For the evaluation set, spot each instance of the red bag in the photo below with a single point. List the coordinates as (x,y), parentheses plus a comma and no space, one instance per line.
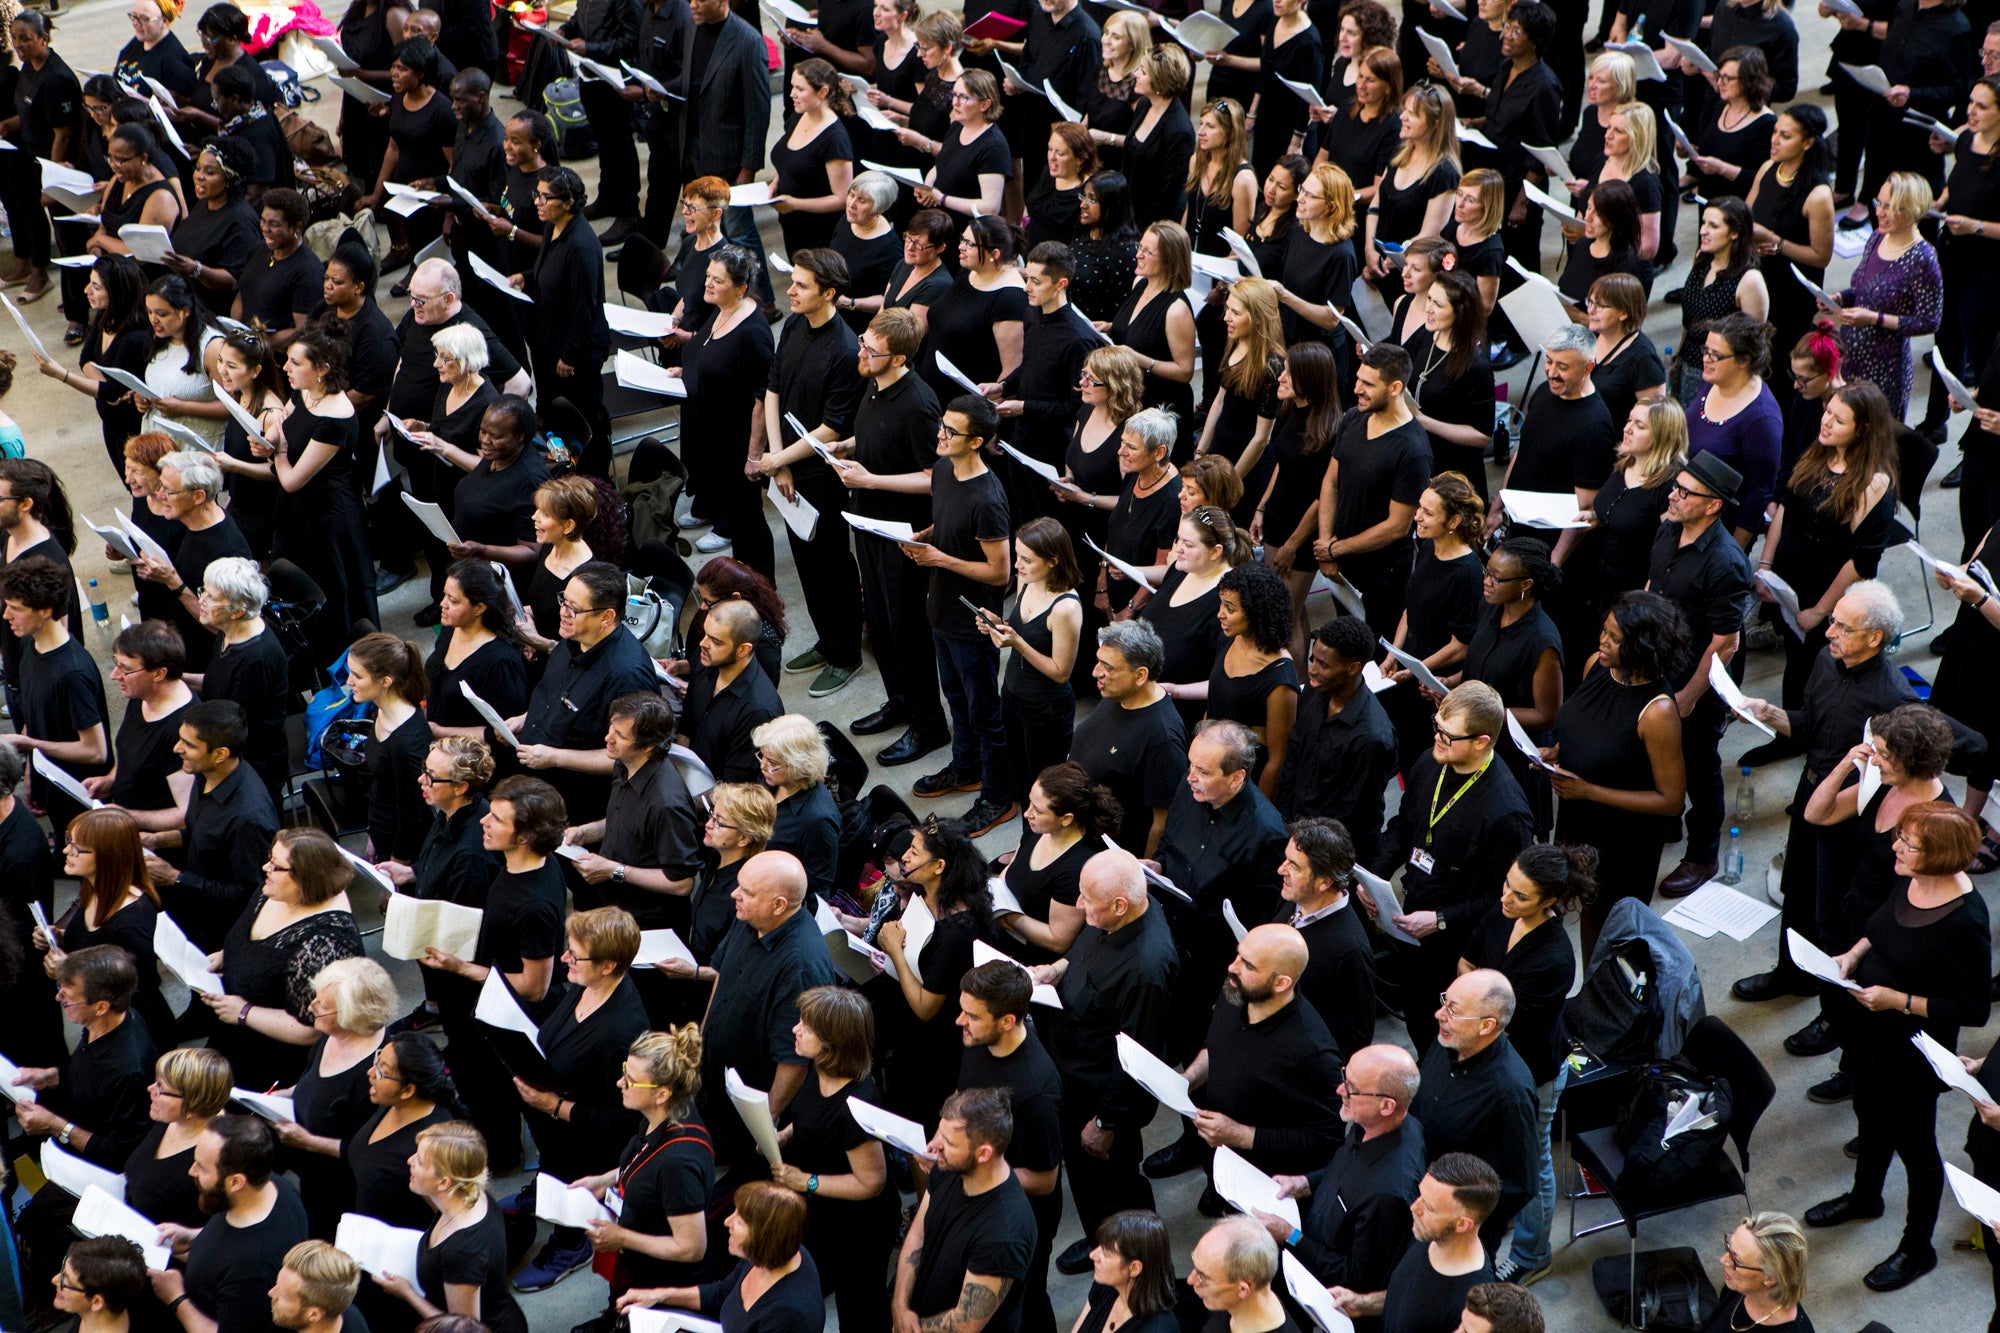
(519,40)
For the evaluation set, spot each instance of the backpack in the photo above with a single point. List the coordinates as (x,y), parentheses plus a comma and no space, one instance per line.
(326,711)
(290,91)
(1674,1293)
(1616,1014)
(563,101)
(653,620)
(1666,1090)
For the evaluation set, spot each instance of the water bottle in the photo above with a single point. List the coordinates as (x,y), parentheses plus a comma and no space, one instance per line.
(1732,859)
(99,612)
(1746,797)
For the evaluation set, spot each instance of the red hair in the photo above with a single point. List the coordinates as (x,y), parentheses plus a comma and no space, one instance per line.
(1821,346)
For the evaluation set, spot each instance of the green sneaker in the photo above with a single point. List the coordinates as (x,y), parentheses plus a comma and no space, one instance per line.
(810,660)
(831,680)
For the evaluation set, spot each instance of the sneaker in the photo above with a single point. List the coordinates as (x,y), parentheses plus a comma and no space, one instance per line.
(985,816)
(1832,1091)
(712,542)
(831,681)
(944,782)
(810,660)
(429,616)
(684,513)
(1519,1274)
(552,1266)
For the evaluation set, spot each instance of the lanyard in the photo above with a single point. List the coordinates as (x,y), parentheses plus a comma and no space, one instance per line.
(1430,831)
(625,1175)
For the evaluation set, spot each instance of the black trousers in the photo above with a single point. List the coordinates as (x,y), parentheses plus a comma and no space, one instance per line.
(1037,1315)
(827,573)
(1800,879)
(1701,747)
(1100,1186)
(742,518)
(610,116)
(664,175)
(1852,106)
(1382,578)
(892,604)
(1038,737)
(1978,492)
(1897,1117)
(21,192)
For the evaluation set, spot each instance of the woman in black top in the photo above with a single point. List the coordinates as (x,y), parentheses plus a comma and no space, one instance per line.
(741,816)
(422,134)
(408,1090)
(1243,395)
(726,365)
(1146,510)
(1055,204)
(1318,267)
(839,1171)
(1290,48)
(116,904)
(1921,965)
(1184,611)
(1044,631)
(138,191)
(1633,499)
(353,1003)
(1366,131)
(1618,745)
(978,321)
(493,495)
(1111,102)
(286,935)
(1454,378)
(1414,194)
(248,664)
(1254,680)
(1524,940)
(867,240)
(1517,648)
(370,32)
(1105,248)
(481,648)
(931,947)
(1286,518)
(814,158)
(1764,24)
(1626,365)
(191,1084)
(1723,279)
(568,339)
(1733,138)
(213,242)
(1968,245)
(1221,196)
(973,160)
(1609,244)
(388,672)
(155,51)
(1132,1286)
(1791,211)
(47,106)
(919,277)
(1157,322)
(251,373)
(1474,231)
(462,1259)
(1067,816)
(1763,1272)
(793,760)
(1277,213)
(1160,143)
(118,335)
(777,1286)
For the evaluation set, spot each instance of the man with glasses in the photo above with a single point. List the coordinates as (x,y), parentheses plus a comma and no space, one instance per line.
(1134,741)
(648,843)
(227,823)
(1042,389)
(1698,566)
(893,452)
(146,667)
(59,709)
(1368,501)
(1477,1095)
(598,660)
(1567,435)
(1358,1224)
(101,1279)
(190,494)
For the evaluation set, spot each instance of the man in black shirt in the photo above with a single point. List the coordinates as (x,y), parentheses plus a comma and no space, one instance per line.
(1358,1225)
(965,550)
(479,164)
(191,494)
(893,451)
(226,826)
(1314,880)
(255,1218)
(1042,389)
(1231,1270)
(1002,1051)
(1698,565)
(1061,46)
(1567,435)
(62,711)
(95,1107)
(598,660)
(1477,1094)
(967,1249)
(815,386)
(1118,977)
(648,843)
(729,696)
(1224,843)
(1426,1292)
(1381,465)
(1134,740)
(146,663)
(1343,747)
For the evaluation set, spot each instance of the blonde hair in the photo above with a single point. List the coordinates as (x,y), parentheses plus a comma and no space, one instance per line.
(456,1150)
(794,744)
(1624,75)
(1168,71)
(607,934)
(1235,149)
(1339,192)
(1910,195)
(1438,141)
(201,1075)
(1644,132)
(328,1278)
(673,1060)
(749,806)
(1667,428)
(364,995)
(470,757)
(1138,36)
(1263,340)
(1492,187)
(1784,1247)
(1117,368)
(1176,259)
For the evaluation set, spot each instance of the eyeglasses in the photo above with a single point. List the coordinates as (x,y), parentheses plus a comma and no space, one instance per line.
(1451,1011)
(419,302)
(872,354)
(576,957)
(430,779)
(718,821)
(162,490)
(1089,381)
(272,864)
(1690,493)
(947,433)
(626,1080)
(1346,1091)
(1714,357)
(1835,625)
(62,1279)
(1729,1259)
(576,610)
(1437,729)
(1488,576)
(376,1069)
(163,1090)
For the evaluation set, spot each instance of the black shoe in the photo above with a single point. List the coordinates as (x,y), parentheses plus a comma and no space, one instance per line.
(1933,431)
(388,580)
(1832,1092)
(1846,223)
(1776,984)
(618,232)
(1211,1204)
(1770,752)
(1941,642)
(1815,1038)
(1185,1154)
(1075,1261)
(1852,1148)
(1899,1270)
(603,1323)
(1954,477)
(885,718)
(598,210)
(400,289)
(985,816)
(944,782)
(1674,297)
(1842,1209)
(913,745)
(423,1018)
(429,616)
(1506,356)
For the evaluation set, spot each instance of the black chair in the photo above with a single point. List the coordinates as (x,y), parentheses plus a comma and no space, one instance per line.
(1916,457)
(1714,1049)
(642,268)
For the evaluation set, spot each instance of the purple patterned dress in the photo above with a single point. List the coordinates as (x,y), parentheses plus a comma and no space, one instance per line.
(1909,288)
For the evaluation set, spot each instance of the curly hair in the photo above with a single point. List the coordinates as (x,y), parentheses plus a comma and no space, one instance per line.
(1655,638)
(1266,601)
(1458,499)
(1916,737)
(1566,875)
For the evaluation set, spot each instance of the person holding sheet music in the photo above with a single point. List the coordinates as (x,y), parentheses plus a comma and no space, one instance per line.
(56,694)
(146,663)
(1966,249)
(1611,242)
(792,760)
(423,134)
(370,31)
(481,651)
(493,500)
(408,1090)
(252,124)
(255,1218)
(1734,139)
(388,673)
(1415,193)
(141,474)
(348,311)
(565,508)
(155,52)
(248,666)
(1930,58)
(815,159)
(462,1259)
(191,1085)
(117,335)
(227,822)
(139,191)
(190,498)
(47,105)
(116,905)
(725,366)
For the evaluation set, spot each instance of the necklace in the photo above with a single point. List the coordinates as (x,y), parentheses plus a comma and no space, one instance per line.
(1744,1306)
(1783,179)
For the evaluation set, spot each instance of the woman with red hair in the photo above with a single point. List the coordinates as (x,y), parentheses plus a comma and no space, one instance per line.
(116,904)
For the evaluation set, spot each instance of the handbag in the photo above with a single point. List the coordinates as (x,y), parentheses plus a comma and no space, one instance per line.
(650,617)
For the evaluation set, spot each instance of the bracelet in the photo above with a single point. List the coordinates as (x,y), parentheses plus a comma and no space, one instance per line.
(243,1017)
(515,234)
(175,1303)
(1984,598)
(1907,1000)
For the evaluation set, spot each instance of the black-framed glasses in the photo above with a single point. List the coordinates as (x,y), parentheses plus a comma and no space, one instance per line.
(1729,1259)
(575,610)
(872,354)
(947,433)
(375,1068)
(64,1284)
(715,818)
(430,779)
(1714,357)
(1437,729)
(1690,492)
(1489,576)
(1347,1090)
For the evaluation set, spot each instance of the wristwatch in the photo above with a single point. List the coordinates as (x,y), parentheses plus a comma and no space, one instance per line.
(70,1128)
(618,874)
(812,1184)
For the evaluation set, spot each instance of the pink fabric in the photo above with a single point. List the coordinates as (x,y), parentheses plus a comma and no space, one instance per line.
(268,23)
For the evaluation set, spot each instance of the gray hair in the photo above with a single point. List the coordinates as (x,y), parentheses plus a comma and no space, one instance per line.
(446,277)
(878,189)
(1137,642)
(1572,338)
(1238,742)
(1398,1075)
(1879,607)
(237,583)
(1249,1253)
(197,470)
(1155,427)
(1497,993)
(463,344)
(12,768)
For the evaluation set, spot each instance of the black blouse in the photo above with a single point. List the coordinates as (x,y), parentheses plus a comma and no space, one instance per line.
(496,672)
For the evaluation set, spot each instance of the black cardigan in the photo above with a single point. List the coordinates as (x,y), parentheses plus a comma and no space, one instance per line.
(568,287)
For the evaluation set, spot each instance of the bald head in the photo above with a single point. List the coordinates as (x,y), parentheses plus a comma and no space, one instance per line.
(1112,889)
(1280,948)
(435,291)
(1477,1009)
(770,887)
(1263,975)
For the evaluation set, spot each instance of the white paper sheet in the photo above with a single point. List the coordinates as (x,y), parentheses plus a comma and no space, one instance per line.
(411,924)
(331,49)
(278,1110)
(1130,571)
(489,713)
(860,960)
(63,780)
(1949,1071)
(1559,208)
(1552,162)
(472,201)
(1307,93)
(1820,294)
(1249,1189)
(99,1214)
(794,14)
(1354,330)
(778,263)
(149,244)
(1871,77)
(1240,248)
(1732,694)
(1814,960)
(1686,1116)
(1233,921)
(635,372)
(432,517)
(379,1248)
(798,512)
(1064,111)
(659,946)
(1440,51)
(1962,395)
(172,948)
(361,92)
(114,537)
(1312,1295)
(637,323)
(754,1106)
(1043,993)
(1033,464)
(1788,600)
(1423,675)
(1021,81)
(694,773)
(69,1172)
(645,1320)
(166,123)
(1644,62)
(1477,138)
(1973,1195)
(565,1204)
(1691,55)
(952,372)
(1718,907)
(1155,1075)
(240,414)
(126,379)
(1526,743)
(906,175)
(748,196)
(889,529)
(1536,309)
(1679,135)
(12,1091)
(643,79)
(497,280)
(181,435)
(34,339)
(1388,902)
(1200,31)
(889,1127)
(918,926)
(498,1008)
(1543,509)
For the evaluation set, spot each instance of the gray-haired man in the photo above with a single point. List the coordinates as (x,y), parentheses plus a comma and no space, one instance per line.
(1567,434)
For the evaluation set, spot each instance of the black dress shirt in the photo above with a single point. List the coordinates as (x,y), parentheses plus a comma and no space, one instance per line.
(104,1090)
(1469,832)
(453,865)
(816,377)
(895,431)
(479,163)
(1709,579)
(1339,764)
(651,822)
(1522,109)
(1485,1105)
(1358,1223)
(1279,1076)
(1117,982)
(1230,851)
(572,703)
(1340,972)
(1838,703)
(227,833)
(1053,350)
(718,724)
(756,1003)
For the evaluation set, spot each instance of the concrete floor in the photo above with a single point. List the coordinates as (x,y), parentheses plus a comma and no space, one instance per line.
(1796,1153)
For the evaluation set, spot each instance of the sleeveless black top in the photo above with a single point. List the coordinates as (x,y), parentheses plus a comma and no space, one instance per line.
(1024,681)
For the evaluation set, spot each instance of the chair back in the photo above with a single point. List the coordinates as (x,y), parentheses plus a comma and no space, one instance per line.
(1713,1048)
(641,268)
(1916,456)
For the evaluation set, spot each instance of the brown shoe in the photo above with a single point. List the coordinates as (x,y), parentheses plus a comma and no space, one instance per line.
(38,287)
(1686,878)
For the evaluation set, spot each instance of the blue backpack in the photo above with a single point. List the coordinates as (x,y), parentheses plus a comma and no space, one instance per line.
(330,706)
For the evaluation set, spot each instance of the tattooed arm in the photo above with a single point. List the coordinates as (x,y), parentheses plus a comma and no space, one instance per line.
(906,1271)
(977,1300)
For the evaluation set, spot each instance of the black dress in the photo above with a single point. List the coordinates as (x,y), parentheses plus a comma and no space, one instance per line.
(495,672)
(1300,475)
(364,136)
(379,1169)
(1281,113)
(1629,519)
(1504,656)
(1104,269)
(161,1189)
(254,674)
(1238,424)
(1191,635)
(869,264)
(1140,528)
(1144,330)
(1318,272)
(1035,889)
(321,529)
(1052,212)
(1362,148)
(277,972)
(1251,22)
(802,174)
(398,818)
(1598,728)
(1245,699)
(253,501)
(851,1237)
(422,137)
(1633,365)
(1464,400)
(332,1106)
(1097,1313)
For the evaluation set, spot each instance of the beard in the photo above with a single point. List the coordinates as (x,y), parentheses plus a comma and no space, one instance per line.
(296,1320)
(212,1201)
(1238,995)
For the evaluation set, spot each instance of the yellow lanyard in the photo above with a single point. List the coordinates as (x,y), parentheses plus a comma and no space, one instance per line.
(1436,814)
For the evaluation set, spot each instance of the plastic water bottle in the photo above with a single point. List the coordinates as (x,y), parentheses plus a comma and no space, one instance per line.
(99,612)
(1732,858)
(1746,797)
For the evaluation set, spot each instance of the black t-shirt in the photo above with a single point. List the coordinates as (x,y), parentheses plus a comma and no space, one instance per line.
(663,1174)
(1566,444)
(960,165)
(473,1257)
(230,1269)
(1422,1300)
(524,918)
(991,1234)
(963,515)
(145,758)
(62,696)
(275,292)
(218,238)
(1031,1076)
(498,508)
(421,136)
(1392,468)
(416,390)
(1141,754)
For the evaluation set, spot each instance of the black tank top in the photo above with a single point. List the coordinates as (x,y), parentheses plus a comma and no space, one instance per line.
(1023,681)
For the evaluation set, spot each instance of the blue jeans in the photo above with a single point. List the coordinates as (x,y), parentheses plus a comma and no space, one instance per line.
(969,672)
(1531,1249)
